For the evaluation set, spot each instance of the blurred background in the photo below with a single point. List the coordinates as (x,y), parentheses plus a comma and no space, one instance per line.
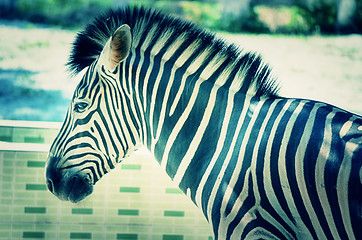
(313,46)
(256,16)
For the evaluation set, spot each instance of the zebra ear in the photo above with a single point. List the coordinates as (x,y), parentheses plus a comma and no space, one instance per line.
(119,46)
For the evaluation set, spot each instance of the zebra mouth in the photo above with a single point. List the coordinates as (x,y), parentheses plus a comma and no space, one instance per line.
(78,188)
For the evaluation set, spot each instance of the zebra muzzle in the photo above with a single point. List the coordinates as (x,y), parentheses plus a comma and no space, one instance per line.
(67,185)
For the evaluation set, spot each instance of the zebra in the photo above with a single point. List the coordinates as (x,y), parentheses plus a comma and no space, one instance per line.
(257,164)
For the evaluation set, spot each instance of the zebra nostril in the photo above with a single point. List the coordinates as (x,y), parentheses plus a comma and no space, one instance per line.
(50,185)
(52,175)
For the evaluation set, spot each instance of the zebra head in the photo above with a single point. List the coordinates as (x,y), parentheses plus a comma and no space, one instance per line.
(95,135)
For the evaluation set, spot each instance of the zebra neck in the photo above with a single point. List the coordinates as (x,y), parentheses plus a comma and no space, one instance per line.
(183,89)
(185,110)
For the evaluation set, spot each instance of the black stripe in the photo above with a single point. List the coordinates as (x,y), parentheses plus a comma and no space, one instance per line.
(248,203)
(99,163)
(261,156)
(290,161)
(332,168)
(310,160)
(274,159)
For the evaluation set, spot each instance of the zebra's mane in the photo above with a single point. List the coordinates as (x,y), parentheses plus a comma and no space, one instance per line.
(89,44)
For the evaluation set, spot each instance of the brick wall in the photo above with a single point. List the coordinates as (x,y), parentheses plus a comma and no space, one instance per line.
(135,201)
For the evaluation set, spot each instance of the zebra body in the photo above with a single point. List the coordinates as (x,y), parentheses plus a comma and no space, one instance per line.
(257,164)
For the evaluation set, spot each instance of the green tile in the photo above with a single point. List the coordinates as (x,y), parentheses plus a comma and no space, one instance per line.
(20,177)
(6,138)
(5,235)
(36,164)
(27,156)
(128,236)
(39,210)
(36,187)
(129,212)
(131,166)
(22,218)
(4,230)
(77,235)
(86,211)
(33,234)
(7,194)
(8,163)
(34,139)
(6,130)
(167,213)
(9,155)
(173,191)
(172,237)
(6,201)
(140,220)
(28,199)
(69,226)
(8,179)
(130,189)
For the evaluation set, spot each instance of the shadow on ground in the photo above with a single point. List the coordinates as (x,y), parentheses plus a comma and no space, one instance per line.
(20,100)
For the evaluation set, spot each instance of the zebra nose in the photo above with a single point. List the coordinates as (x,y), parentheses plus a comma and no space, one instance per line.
(50,186)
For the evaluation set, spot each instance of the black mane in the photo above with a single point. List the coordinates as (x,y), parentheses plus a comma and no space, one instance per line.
(89,43)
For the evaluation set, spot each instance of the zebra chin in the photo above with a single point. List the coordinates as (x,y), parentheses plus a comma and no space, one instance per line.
(68,185)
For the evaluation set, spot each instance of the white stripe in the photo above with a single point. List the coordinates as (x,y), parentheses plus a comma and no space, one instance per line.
(179,125)
(196,139)
(133,106)
(227,159)
(299,171)
(179,62)
(235,86)
(319,173)
(206,73)
(227,195)
(204,122)
(343,181)
(248,217)
(190,70)
(138,103)
(219,147)
(224,222)
(283,171)
(144,47)
(152,104)
(260,233)
(269,190)
(155,50)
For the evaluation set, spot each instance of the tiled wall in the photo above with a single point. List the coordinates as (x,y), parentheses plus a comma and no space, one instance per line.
(135,201)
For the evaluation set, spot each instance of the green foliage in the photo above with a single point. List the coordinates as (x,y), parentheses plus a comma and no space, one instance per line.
(207,14)
(321,16)
(251,23)
(68,13)
(298,19)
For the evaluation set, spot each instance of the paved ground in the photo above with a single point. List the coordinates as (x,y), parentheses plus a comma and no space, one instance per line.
(34,84)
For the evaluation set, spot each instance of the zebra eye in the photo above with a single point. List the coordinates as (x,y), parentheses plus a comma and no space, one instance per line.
(80,107)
